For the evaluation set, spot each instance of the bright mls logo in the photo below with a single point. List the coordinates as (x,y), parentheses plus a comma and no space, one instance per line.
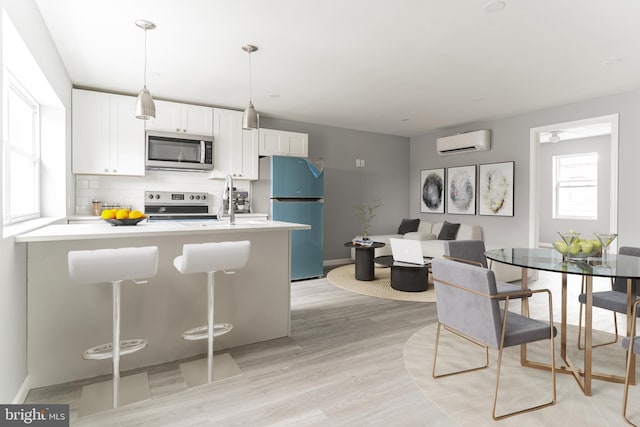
(34,415)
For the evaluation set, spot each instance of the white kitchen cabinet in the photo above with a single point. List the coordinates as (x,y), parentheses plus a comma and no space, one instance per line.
(282,143)
(182,118)
(107,139)
(235,150)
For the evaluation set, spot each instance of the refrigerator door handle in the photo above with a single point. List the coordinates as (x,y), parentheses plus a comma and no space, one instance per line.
(297,199)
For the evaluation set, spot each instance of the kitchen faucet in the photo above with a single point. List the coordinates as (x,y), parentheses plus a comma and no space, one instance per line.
(228,195)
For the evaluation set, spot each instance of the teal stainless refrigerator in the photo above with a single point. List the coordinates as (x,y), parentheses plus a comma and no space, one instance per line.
(297,195)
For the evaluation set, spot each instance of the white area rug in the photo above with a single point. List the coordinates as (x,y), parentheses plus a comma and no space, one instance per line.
(468,398)
(344,278)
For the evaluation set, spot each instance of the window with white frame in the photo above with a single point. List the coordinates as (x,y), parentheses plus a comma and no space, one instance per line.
(21,152)
(575,179)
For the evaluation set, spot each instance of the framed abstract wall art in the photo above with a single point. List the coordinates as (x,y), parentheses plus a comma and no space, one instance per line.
(461,190)
(496,189)
(432,190)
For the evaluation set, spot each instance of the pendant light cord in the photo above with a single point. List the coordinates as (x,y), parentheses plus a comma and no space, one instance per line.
(250,80)
(145,57)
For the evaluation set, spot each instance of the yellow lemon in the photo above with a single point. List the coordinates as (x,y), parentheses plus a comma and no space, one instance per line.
(122,214)
(135,214)
(108,214)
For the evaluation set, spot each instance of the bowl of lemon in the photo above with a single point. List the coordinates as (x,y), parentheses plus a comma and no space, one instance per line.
(572,246)
(122,216)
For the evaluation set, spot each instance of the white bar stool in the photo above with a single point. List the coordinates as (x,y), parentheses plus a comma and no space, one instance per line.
(209,258)
(115,266)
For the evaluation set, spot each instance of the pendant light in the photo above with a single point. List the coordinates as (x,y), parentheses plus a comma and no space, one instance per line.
(145,107)
(250,119)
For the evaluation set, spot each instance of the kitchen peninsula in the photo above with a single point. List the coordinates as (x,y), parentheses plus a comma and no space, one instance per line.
(65,318)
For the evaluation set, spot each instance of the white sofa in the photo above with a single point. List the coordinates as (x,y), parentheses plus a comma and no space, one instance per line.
(432,247)
(428,235)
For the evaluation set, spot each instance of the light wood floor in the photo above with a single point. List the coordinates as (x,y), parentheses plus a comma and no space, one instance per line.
(342,366)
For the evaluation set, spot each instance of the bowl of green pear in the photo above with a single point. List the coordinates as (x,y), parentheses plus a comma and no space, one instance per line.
(572,246)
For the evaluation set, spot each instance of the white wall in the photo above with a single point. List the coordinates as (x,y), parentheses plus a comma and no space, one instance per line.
(510,141)
(13,286)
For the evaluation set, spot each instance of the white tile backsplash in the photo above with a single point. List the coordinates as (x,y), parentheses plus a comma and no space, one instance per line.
(129,190)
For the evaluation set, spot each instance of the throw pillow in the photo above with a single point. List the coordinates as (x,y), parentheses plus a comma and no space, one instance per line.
(448,231)
(408,226)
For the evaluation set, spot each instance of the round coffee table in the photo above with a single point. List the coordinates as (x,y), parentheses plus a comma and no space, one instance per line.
(407,277)
(364,259)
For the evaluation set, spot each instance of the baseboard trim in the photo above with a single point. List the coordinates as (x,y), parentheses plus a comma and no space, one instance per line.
(339,261)
(23,391)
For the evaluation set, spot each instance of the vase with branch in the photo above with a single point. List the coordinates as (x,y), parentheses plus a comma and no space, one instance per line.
(365,212)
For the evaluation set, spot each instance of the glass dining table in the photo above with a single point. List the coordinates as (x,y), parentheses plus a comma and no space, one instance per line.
(622,266)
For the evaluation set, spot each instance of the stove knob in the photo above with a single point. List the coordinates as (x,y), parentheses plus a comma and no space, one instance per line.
(191,197)
(204,197)
(150,196)
(157,196)
(197,197)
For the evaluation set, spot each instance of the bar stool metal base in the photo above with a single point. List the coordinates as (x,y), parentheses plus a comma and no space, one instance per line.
(98,397)
(202,332)
(195,372)
(105,351)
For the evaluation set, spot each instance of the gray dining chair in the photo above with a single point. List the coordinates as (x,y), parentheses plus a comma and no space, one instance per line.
(614,300)
(472,252)
(635,348)
(468,306)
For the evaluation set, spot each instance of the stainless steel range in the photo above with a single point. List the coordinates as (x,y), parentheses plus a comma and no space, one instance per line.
(177,206)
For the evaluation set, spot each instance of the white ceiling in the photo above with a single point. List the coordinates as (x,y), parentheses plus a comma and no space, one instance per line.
(359,64)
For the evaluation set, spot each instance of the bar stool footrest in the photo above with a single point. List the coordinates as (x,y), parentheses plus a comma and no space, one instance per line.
(202,332)
(105,351)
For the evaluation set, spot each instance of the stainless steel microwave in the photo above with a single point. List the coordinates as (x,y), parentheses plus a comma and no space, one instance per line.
(177,151)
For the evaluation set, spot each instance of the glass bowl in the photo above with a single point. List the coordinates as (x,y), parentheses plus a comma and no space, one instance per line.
(571,246)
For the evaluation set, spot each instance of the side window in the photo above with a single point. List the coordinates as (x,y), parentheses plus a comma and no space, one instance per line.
(575,179)
(21,152)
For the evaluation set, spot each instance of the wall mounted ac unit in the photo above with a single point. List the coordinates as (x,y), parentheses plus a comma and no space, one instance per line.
(464,143)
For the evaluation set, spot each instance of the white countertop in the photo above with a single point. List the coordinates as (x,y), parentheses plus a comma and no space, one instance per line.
(60,232)
(97,217)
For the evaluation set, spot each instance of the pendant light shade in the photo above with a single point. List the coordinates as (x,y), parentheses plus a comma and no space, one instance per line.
(145,107)
(250,119)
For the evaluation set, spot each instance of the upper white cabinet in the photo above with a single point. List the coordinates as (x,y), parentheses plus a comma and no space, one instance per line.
(283,143)
(235,150)
(182,118)
(107,137)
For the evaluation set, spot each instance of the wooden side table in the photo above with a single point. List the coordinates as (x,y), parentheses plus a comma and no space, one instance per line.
(364,259)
